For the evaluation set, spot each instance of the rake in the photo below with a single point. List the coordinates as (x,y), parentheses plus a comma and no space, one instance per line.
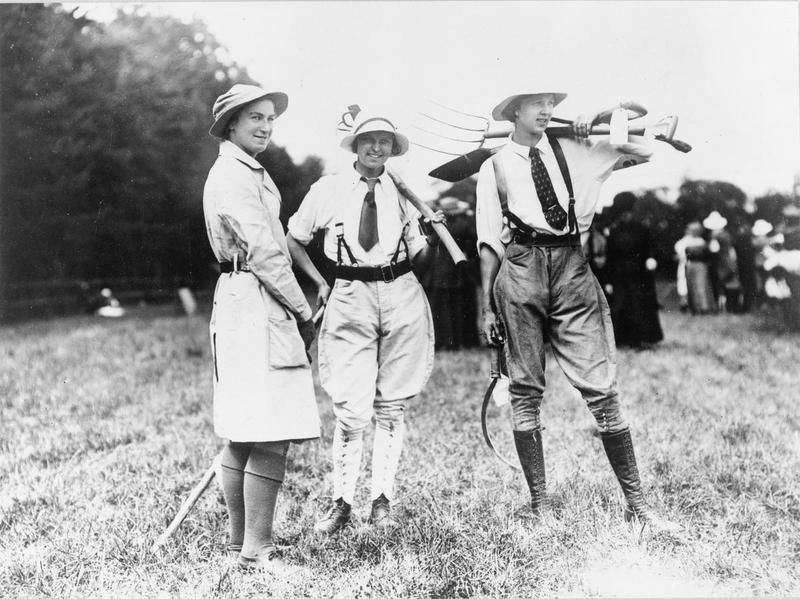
(204,482)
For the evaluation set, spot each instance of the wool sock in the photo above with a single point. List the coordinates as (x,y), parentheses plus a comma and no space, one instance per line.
(234,459)
(263,478)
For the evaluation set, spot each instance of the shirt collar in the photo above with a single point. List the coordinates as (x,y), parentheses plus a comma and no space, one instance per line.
(356,176)
(228,148)
(543,145)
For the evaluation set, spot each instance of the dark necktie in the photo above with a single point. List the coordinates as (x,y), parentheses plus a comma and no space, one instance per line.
(554,214)
(368,225)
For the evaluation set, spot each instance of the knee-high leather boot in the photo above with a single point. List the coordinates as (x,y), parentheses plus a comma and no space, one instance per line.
(531,457)
(619,449)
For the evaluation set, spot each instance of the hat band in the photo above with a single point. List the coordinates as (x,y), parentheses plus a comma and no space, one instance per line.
(377,118)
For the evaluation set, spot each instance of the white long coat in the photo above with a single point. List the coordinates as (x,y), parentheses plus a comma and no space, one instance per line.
(263,388)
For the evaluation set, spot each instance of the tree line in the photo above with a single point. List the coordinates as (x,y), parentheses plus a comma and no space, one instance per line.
(104,152)
(104,146)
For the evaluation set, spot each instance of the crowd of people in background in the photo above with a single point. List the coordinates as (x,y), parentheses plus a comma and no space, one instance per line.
(736,268)
(721,266)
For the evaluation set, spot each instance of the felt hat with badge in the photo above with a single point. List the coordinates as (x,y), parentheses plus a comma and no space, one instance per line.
(505,110)
(366,123)
(237,96)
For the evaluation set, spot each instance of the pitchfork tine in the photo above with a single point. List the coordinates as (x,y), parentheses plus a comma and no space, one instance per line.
(475,116)
(438,150)
(433,118)
(458,139)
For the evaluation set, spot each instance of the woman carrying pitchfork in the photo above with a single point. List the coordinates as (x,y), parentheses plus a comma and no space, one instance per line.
(376,340)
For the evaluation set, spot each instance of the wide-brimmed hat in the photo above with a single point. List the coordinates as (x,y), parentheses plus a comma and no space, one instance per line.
(365,123)
(240,94)
(505,110)
(715,221)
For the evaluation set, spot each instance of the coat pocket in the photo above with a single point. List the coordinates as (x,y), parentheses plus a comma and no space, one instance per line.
(286,347)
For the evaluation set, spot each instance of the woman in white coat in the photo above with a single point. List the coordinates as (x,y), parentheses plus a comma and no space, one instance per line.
(260,325)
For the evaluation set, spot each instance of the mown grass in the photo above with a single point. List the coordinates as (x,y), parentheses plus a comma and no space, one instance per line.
(106,426)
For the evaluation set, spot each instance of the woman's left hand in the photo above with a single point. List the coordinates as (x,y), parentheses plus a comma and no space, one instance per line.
(323,293)
(427,226)
(438,217)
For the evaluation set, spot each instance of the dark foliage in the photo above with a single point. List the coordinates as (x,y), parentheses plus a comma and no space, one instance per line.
(105,148)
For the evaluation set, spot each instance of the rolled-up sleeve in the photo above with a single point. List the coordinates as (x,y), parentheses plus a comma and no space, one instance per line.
(604,156)
(306,221)
(488,213)
(414,238)
(250,221)
(636,145)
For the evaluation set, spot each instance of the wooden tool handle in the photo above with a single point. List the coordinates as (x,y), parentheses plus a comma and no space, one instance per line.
(441,230)
(188,504)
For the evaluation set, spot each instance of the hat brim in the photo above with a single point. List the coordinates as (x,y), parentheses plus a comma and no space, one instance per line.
(348,143)
(279,99)
(715,224)
(505,110)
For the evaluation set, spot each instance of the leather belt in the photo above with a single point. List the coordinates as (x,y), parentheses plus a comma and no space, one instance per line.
(546,239)
(369,274)
(228,267)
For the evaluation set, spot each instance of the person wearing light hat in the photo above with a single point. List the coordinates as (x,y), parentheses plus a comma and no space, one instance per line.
(376,340)
(724,266)
(535,197)
(260,327)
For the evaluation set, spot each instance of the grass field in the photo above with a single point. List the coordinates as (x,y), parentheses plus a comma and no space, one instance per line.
(106,426)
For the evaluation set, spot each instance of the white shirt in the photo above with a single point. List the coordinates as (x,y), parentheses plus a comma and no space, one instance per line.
(590,163)
(338,198)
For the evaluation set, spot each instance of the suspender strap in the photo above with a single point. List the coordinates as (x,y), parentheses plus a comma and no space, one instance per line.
(341,242)
(502,192)
(399,241)
(562,165)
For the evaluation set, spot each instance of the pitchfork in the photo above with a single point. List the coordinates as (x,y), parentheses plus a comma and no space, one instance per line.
(466,133)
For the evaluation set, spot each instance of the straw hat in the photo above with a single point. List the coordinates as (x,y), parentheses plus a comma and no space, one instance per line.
(366,123)
(240,94)
(715,221)
(505,110)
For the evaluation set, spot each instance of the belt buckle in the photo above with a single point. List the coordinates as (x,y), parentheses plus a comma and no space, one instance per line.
(384,270)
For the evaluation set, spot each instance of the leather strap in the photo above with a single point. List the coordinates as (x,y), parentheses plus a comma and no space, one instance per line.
(227,267)
(572,220)
(386,273)
(546,240)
